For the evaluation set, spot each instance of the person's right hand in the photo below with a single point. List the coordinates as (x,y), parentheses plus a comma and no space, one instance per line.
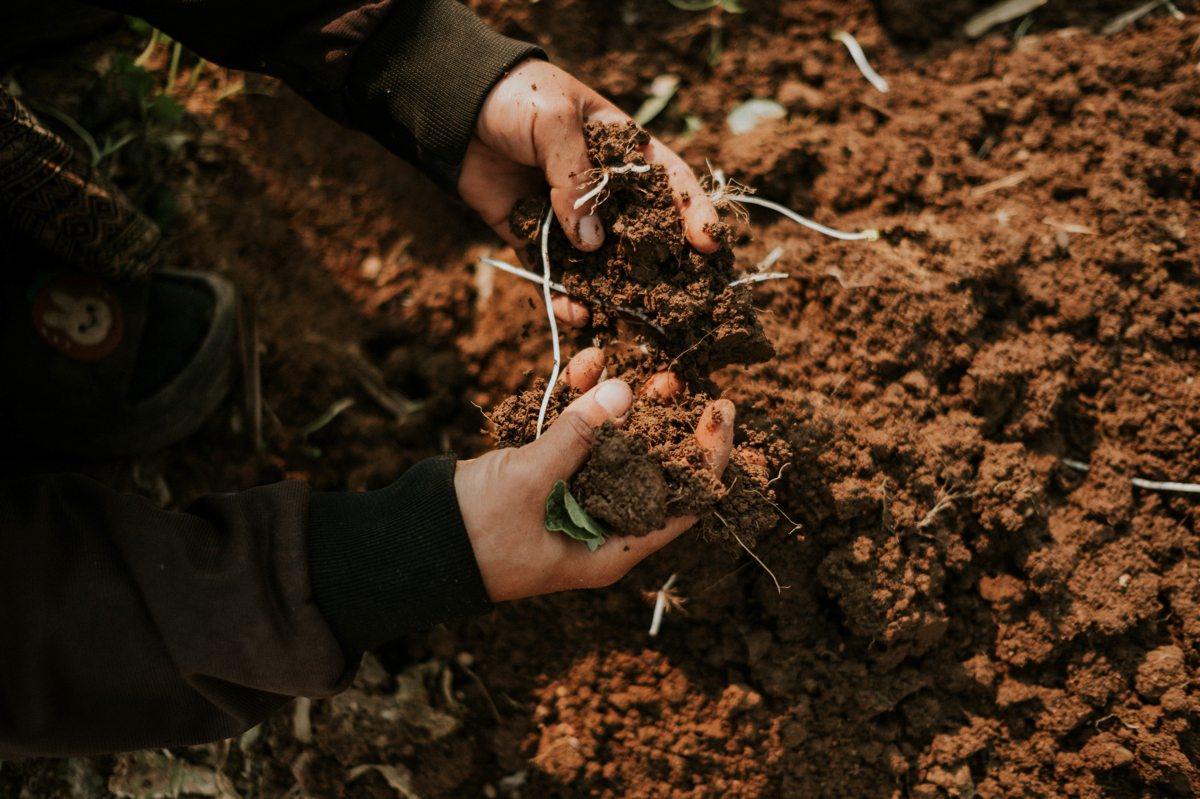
(529,133)
(502,495)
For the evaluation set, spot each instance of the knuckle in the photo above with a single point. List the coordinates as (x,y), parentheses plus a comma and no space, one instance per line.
(578,427)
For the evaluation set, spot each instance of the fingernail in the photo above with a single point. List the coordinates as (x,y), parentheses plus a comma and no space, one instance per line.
(616,397)
(590,231)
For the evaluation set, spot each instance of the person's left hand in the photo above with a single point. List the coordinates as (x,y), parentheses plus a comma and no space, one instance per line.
(529,133)
(502,494)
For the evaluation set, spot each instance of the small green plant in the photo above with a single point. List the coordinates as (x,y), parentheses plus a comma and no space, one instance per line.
(565,514)
(130,122)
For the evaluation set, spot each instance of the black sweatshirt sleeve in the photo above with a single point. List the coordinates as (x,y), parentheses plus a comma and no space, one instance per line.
(124,626)
(410,73)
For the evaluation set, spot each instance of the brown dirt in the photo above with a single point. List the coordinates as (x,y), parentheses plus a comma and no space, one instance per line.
(689,319)
(964,614)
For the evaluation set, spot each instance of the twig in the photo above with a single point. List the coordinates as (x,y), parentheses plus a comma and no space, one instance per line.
(1153,485)
(553,322)
(860,59)
(660,604)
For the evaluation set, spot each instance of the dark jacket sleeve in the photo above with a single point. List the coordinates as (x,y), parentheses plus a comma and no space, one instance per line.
(124,626)
(410,73)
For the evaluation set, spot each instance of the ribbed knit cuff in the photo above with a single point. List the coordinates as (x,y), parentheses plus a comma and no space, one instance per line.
(418,83)
(387,562)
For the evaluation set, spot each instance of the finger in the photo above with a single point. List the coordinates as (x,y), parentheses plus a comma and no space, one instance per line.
(666,387)
(492,184)
(567,169)
(714,435)
(565,445)
(692,203)
(569,312)
(619,554)
(584,370)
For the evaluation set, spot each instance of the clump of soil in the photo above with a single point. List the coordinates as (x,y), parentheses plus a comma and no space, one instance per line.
(646,266)
(653,469)
(638,476)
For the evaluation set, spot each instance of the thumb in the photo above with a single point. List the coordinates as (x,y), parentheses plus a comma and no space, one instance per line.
(564,447)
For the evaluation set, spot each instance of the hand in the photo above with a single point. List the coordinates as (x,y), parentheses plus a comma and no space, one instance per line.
(502,494)
(530,132)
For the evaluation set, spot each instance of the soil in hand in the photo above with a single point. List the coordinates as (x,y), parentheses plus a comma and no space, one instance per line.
(652,469)
(694,322)
(697,322)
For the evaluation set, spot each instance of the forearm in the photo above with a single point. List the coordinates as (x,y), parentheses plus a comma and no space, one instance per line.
(128,627)
(410,73)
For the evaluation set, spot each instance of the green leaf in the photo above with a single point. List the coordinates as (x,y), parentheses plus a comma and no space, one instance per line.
(564,513)
(163,109)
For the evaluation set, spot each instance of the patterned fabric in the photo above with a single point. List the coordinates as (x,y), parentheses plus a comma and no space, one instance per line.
(53,196)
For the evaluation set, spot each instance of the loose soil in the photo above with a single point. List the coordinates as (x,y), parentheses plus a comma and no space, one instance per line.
(963,613)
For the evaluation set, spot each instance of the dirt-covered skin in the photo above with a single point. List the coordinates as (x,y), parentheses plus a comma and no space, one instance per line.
(960,612)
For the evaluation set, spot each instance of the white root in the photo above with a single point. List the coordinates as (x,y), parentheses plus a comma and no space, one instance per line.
(760,278)
(561,289)
(525,273)
(766,263)
(605,172)
(553,322)
(1153,485)
(727,193)
(865,235)
(860,59)
(778,587)
(660,604)
(599,187)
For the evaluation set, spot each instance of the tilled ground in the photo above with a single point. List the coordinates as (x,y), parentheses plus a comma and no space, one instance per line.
(963,611)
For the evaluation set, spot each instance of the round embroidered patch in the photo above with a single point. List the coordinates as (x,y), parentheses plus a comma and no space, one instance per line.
(79,315)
